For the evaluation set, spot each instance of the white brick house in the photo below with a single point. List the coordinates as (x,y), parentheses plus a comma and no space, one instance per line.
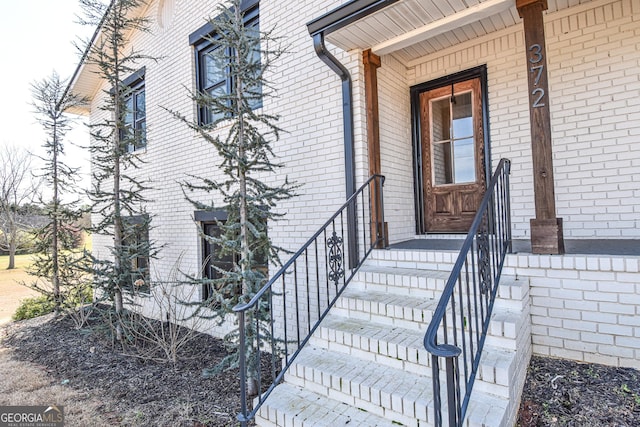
(582,305)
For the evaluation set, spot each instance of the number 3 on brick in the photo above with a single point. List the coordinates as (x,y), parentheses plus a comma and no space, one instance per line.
(537,70)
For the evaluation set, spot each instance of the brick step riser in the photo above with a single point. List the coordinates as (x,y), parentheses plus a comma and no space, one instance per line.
(417,319)
(405,410)
(491,377)
(409,410)
(422,259)
(512,292)
(409,358)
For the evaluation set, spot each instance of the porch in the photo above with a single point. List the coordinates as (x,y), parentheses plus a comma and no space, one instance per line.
(571,176)
(612,247)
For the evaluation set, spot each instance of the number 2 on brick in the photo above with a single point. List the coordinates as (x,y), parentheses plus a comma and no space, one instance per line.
(536,57)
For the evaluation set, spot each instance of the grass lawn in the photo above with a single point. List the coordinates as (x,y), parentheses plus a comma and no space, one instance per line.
(11,291)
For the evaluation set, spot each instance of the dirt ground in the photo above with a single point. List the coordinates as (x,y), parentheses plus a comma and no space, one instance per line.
(566,393)
(47,361)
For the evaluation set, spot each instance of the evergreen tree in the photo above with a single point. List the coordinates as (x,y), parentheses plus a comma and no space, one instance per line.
(245,154)
(116,193)
(54,262)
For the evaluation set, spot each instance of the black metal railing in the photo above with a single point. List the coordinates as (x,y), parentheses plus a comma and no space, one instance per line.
(280,319)
(460,323)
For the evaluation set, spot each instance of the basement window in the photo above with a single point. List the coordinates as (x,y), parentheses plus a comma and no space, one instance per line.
(136,245)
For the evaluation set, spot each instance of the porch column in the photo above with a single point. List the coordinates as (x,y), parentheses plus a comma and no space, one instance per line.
(546,228)
(371,63)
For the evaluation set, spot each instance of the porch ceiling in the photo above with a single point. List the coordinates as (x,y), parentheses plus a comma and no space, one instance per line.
(411,29)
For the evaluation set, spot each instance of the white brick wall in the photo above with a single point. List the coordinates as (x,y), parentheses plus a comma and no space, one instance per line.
(309,102)
(583,307)
(395,149)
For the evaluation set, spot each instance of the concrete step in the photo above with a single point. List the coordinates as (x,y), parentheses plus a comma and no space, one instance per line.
(365,385)
(290,405)
(422,283)
(394,309)
(402,397)
(428,283)
(414,312)
(391,346)
(403,349)
(442,260)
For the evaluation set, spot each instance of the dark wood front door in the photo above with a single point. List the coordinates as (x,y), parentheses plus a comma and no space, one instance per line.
(452,143)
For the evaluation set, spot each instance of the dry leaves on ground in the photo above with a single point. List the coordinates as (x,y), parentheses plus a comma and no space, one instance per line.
(561,392)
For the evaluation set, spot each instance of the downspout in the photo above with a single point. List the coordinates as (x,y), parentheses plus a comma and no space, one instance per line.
(349,150)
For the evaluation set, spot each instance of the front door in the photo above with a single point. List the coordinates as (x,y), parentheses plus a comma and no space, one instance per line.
(452,144)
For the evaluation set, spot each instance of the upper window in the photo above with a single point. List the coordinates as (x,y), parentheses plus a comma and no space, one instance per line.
(212,73)
(135,113)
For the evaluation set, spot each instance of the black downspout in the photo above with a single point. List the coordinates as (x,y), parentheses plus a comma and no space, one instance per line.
(349,151)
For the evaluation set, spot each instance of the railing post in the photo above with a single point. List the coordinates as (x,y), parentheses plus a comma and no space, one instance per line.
(352,234)
(452,400)
(437,402)
(383,227)
(507,172)
(242,416)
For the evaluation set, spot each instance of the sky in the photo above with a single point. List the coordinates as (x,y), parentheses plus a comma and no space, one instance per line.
(36,38)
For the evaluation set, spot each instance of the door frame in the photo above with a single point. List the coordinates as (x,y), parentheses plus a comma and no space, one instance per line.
(415,91)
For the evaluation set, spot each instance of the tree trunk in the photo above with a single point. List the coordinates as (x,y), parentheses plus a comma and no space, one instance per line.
(247,288)
(55,278)
(12,253)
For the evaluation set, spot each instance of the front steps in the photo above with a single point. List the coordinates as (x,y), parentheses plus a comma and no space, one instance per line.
(366,365)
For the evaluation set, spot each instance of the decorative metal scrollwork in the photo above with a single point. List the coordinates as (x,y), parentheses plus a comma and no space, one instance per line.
(336,269)
(484,260)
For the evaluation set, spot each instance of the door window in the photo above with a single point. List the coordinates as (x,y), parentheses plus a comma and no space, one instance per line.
(453,146)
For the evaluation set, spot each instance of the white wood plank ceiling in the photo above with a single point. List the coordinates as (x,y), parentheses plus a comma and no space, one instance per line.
(410,29)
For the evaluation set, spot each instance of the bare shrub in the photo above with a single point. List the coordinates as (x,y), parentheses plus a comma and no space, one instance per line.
(160,323)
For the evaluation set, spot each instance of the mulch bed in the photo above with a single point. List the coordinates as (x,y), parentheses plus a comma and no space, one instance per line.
(139,391)
(561,392)
(135,390)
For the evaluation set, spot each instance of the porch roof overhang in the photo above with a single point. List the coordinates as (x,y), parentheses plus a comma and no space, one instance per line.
(411,29)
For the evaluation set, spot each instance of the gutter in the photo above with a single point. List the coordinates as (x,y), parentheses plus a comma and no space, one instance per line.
(334,20)
(347,110)
(349,149)
(329,22)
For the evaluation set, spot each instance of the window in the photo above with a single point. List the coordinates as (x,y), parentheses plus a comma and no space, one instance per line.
(213,262)
(136,242)
(214,265)
(135,113)
(212,71)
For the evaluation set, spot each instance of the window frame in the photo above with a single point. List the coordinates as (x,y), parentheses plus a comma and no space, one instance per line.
(141,225)
(134,86)
(208,218)
(202,45)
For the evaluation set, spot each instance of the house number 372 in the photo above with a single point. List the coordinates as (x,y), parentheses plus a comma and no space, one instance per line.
(537,70)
